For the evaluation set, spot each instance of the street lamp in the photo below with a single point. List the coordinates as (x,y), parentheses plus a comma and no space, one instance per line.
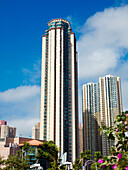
(86,163)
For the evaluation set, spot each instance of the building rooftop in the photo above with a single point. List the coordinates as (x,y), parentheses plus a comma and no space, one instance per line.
(33,143)
(59,19)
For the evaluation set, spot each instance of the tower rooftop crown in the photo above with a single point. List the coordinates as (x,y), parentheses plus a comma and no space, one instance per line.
(59,19)
(53,21)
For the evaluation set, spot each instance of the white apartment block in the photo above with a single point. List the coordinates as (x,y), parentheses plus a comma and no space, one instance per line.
(59,88)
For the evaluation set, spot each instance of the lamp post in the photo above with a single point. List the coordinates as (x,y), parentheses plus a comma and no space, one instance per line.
(86,163)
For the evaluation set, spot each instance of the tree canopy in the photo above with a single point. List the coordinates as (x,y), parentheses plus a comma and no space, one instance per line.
(49,152)
(118,157)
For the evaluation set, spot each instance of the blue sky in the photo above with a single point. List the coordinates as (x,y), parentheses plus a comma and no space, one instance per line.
(101,29)
(23,22)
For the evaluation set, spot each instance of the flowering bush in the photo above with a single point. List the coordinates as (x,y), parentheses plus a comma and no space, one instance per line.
(118,158)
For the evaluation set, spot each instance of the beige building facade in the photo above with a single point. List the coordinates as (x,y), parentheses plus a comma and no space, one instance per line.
(80,138)
(59,88)
(110,105)
(7,131)
(36,131)
(9,146)
(91,118)
(102,102)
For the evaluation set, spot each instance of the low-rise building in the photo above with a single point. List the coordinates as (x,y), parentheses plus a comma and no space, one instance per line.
(9,146)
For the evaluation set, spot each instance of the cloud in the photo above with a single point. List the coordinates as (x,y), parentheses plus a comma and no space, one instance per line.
(103,49)
(103,43)
(19,93)
(32,75)
(20,107)
(24,126)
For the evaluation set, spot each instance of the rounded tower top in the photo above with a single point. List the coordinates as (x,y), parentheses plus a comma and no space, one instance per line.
(59,22)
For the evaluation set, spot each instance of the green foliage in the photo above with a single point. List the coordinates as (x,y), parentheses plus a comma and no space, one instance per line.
(49,152)
(86,155)
(77,164)
(26,146)
(1,161)
(97,157)
(63,167)
(118,158)
(14,162)
(28,152)
(21,159)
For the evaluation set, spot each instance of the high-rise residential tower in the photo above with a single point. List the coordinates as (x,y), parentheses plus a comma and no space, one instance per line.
(6,131)
(59,87)
(110,105)
(91,118)
(2,122)
(80,138)
(36,131)
(102,102)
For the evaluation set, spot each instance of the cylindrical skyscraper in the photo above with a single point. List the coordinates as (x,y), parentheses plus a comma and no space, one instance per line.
(59,87)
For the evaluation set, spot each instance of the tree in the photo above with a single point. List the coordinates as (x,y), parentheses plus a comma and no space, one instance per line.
(49,152)
(1,161)
(21,160)
(28,152)
(84,156)
(118,157)
(97,157)
(77,164)
(25,148)
(16,162)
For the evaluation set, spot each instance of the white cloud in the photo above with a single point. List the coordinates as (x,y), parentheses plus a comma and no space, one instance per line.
(19,93)
(20,107)
(103,48)
(32,75)
(104,42)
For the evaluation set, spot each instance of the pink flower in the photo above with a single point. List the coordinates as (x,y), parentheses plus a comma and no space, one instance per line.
(125,122)
(126,115)
(114,166)
(126,167)
(100,161)
(119,155)
(103,166)
(116,130)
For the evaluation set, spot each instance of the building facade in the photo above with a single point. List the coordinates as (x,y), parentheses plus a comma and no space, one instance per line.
(80,138)
(91,118)
(2,122)
(36,131)
(6,131)
(59,87)
(110,105)
(10,146)
(102,102)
